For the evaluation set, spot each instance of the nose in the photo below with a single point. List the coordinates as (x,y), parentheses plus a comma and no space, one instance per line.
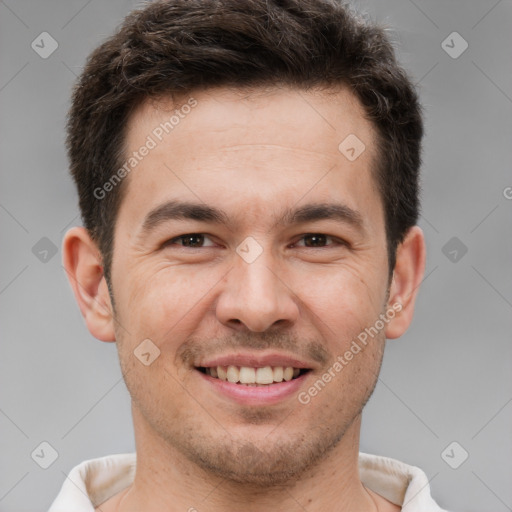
(256,297)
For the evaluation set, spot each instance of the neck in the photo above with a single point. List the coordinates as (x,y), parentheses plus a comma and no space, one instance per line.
(166,480)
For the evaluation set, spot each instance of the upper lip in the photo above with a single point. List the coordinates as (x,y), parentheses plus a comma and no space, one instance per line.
(254,360)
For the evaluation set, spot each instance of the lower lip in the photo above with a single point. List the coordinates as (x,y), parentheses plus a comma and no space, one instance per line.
(256,395)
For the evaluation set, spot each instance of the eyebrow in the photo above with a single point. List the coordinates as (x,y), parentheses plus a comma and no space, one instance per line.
(180,210)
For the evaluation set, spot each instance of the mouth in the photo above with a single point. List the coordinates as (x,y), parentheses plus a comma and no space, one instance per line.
(254,379)
(253,376)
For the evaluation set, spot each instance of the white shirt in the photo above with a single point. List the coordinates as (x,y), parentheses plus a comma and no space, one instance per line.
(94,481)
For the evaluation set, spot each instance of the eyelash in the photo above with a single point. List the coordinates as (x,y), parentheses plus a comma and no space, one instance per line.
(338,242)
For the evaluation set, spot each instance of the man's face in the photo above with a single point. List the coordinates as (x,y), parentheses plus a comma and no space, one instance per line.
(255,289)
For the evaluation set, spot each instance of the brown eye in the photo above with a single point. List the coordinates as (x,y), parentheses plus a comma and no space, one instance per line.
(316,240)
(193,240)
(319,240)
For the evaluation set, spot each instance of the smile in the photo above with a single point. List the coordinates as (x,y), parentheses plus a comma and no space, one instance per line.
(253,376)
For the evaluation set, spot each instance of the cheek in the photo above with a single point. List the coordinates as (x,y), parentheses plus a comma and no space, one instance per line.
(164,304)
(343,301)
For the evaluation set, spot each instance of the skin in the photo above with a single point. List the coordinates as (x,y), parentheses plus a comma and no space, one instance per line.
(251,154)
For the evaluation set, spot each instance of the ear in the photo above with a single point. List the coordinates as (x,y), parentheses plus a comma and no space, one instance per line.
(407,276)
(84,267)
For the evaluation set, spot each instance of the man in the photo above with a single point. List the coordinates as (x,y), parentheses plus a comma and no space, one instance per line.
(248,180)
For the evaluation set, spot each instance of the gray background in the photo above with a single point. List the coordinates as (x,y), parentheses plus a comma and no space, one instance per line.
(447,379)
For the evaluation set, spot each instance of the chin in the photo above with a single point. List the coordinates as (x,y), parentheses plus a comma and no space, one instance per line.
(264,462)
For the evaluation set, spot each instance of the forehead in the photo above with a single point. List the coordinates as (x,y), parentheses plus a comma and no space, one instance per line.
(247,147)
(269,114)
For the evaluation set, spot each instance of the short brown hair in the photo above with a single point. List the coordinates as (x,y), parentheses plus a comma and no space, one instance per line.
(174,47)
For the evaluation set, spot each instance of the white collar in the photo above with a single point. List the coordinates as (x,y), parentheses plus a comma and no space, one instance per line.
(96,480)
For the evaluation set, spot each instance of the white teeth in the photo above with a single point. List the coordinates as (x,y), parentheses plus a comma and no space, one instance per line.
(278,374)
(288,373)
(264,375)
(247,375)
(253,376)
(233,374)
(221,372)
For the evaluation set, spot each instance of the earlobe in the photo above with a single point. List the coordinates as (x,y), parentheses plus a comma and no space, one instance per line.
(83,264)
(407,277)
